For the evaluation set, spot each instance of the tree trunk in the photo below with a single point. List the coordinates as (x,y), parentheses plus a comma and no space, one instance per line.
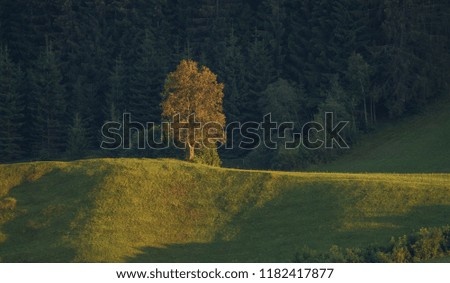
(190,152)
(365,105)
(374,114)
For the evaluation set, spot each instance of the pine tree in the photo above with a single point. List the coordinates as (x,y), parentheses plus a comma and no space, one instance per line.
(298,36)
(49,106)
(147,80)
(231,70)
(84,61)
(272,18)
(114,103)
(345,40)
(94,63)
(11,109)
(260,73)
(77,141)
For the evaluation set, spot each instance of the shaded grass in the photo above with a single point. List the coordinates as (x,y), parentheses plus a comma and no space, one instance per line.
(114,210)
(415,144)
(51,205)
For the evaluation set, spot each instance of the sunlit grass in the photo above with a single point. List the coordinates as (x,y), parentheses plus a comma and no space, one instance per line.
(167,210)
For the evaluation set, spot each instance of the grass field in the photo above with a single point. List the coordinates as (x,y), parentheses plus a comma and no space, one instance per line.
(171,211)
(419,143)
(142,210)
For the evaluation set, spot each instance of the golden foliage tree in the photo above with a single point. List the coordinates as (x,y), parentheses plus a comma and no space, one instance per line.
(193,95)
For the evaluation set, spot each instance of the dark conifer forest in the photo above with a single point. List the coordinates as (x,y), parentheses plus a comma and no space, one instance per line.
(68,66)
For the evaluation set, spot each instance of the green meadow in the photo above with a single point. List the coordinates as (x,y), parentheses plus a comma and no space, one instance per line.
(137,210)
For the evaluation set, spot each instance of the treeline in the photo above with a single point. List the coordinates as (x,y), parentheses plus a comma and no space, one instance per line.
(421,246)
(68,66)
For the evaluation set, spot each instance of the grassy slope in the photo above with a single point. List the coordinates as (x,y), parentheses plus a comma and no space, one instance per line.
(166,210)
(416,144)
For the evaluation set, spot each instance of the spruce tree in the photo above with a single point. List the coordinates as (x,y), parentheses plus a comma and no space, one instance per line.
(297,41)
(49,106)
(11,109)
(147,81)
(260,73)
(272,17)
(77,140)
(231,71)
(115,97)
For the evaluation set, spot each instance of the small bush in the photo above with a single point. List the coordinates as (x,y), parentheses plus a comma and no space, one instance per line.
(399,251)
(335,254)
(208,156)
(307,255)
(427,244)
(420,246)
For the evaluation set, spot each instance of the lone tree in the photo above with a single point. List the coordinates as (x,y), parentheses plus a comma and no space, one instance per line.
(192,101)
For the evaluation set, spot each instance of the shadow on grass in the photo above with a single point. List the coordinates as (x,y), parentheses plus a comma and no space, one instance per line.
(262,234)
(47,216)
(382,228)
(279,237)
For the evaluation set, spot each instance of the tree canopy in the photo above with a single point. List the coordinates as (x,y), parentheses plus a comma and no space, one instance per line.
(193,95)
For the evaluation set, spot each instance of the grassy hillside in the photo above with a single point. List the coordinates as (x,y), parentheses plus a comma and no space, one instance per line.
(419,143)
(171,211)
